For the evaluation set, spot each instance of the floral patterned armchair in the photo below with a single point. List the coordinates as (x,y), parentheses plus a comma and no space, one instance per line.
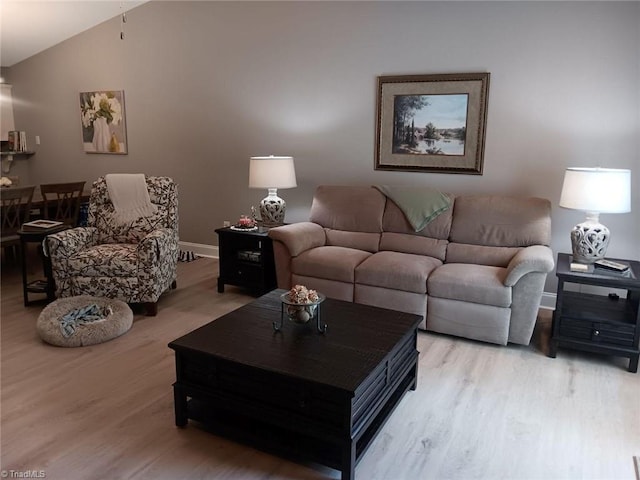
(135,262)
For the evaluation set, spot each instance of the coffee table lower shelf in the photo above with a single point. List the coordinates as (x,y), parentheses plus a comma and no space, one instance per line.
(287,442)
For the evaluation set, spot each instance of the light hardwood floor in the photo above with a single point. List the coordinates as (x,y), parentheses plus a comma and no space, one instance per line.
(480,411)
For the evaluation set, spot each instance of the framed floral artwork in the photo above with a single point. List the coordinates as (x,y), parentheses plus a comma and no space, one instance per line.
(103,122)
(432,123)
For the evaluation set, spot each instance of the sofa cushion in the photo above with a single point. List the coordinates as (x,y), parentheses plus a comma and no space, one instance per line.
(396,221)
(355,209)
(470,283)
(368,242)
(330,262)
(392,299)
(499,221)
(487,323)
(480,254)
(416,244)
(398,271)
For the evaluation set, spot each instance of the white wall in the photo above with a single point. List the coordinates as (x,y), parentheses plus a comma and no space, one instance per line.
(208,84)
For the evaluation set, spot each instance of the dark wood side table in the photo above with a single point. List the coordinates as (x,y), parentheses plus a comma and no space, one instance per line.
(246,260)
(598,323)
(46,286)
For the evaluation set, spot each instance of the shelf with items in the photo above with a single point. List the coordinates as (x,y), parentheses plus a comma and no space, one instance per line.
(246,260)
(249,256)
(8,157)
(26,153)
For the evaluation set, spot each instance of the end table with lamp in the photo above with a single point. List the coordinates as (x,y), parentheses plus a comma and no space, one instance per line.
(604,324)
(596,323)
(594,191)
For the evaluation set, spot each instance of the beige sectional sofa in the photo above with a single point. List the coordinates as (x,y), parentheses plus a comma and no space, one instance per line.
(477,270)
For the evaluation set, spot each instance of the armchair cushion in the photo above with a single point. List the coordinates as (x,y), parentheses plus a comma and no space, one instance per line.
(106,260)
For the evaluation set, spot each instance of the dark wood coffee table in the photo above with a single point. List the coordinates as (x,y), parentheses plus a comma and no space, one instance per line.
(297,392)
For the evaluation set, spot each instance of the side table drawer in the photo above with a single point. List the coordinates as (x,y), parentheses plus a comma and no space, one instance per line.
(245,274)
(597,332)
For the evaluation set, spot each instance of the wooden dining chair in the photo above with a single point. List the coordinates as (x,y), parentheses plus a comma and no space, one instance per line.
(16,208)
(61,201)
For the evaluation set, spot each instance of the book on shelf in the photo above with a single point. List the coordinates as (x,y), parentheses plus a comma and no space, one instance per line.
(17,141)
(40,224)
(12,140)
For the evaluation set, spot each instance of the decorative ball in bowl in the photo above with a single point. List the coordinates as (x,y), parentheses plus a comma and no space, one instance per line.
(301,304)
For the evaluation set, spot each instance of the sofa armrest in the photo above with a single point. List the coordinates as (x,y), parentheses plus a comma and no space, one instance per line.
(62,245)
(299,237)
(537,258)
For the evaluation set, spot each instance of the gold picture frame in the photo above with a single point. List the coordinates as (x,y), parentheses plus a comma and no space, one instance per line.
(432,123)
(103,118)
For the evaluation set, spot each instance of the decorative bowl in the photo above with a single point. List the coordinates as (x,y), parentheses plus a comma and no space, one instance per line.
(300,312)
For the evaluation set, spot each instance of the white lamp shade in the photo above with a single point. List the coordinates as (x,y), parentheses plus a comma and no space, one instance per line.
(272,172)
(597,190)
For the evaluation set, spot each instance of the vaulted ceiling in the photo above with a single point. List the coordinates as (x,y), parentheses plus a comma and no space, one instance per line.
(29,27)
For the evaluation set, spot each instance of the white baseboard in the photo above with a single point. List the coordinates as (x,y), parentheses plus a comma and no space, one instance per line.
(200,249)
(548,301)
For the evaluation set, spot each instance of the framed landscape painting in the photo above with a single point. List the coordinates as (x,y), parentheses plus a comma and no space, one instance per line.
(103,122)
(432,123)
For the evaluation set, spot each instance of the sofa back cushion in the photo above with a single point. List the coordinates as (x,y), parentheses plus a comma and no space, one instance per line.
(395,221)
(415,244)
(368,242)
(501,221)
(350,215)
(349,208)
(399,235)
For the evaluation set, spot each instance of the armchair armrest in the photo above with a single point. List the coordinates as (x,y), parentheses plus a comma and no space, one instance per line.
(299,237)
(65,244)
(537,258)
(159,245)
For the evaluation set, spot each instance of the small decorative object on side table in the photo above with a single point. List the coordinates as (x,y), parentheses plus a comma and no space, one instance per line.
(598,323)
(246,259)
(300,305)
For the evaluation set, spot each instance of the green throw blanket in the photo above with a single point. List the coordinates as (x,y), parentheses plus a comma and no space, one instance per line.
(419,204)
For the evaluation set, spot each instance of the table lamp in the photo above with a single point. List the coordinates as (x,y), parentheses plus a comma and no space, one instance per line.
(594,191)
(272,173)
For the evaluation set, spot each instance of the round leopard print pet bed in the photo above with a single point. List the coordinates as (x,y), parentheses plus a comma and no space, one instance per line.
(83,320)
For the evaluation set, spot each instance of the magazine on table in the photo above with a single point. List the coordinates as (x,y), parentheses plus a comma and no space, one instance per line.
(41,224)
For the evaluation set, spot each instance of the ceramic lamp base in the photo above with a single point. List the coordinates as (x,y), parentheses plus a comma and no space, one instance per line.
(589,240)
(272,209)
